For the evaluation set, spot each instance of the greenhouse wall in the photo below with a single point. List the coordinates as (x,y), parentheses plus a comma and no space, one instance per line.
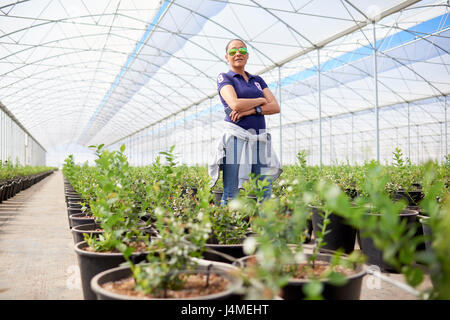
(17,146)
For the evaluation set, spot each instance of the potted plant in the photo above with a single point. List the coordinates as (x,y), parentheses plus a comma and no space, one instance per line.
(170,271)
(278,258)
(113,210)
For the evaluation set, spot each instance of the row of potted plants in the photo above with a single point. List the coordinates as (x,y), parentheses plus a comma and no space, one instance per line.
(165,227)
(15,178)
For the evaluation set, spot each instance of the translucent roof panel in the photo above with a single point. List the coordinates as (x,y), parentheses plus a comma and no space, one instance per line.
(78,72)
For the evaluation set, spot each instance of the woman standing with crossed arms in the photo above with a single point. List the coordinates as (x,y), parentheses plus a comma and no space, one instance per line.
(245,146)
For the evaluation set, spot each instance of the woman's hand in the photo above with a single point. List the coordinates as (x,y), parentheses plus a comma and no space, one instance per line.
(235,115)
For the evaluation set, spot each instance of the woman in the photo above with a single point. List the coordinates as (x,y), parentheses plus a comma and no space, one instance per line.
(245,145)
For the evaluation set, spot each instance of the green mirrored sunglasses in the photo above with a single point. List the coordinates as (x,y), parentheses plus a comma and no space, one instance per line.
(233,51)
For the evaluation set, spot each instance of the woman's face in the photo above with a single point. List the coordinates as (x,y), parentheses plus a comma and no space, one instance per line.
(238,60)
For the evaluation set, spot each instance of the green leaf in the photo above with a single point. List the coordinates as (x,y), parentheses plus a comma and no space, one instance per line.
(121,247)
(128,252)
(337,279)
(414,276)
(313,290)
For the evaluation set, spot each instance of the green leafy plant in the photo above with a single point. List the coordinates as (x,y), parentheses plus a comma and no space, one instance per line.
(113,204)
(279,254)
(301,158)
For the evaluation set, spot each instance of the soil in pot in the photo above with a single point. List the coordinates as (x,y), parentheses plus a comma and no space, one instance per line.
(202,284)
(79,219)
(92,263)
(341,234)
(91,229)
(294,289)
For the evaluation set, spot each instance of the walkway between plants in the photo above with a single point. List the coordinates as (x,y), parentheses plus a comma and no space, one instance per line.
(37,260)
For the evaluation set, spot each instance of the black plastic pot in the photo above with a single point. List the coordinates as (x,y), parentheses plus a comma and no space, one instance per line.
(92,263)
(73,199)
(419,229)
(217,196)
(341,234)
(74,204)
(375,255)
(235,251)
(79,231)
(413,197)
(350,291)
(78,219)
(72,210)
(8,191)
(427,232)
(121,273)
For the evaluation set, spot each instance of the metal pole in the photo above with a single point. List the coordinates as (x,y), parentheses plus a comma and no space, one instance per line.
(281,127)
(353,140)
(167,134)
(331,148)
(295,140)
(445,111)
(441,148)
(196,148)
(320,107)
(146,146)
(418,151)
(409,133)
(311,146)
(210,122)
(375,72)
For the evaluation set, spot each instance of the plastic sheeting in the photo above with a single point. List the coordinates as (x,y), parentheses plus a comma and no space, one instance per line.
(143,72)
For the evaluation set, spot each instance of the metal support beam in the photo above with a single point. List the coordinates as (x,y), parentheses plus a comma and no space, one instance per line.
(418,143)
(375,74)
(320,107)
(409,133)
(281,127)
(353,140)
(331,141)
(446,133)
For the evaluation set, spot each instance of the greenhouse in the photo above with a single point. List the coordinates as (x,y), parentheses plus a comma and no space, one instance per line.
(117,122)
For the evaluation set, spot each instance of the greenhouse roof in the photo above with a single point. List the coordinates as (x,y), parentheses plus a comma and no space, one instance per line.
(76,73)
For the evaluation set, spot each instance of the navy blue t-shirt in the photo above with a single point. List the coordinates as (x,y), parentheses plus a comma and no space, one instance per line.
(253,89)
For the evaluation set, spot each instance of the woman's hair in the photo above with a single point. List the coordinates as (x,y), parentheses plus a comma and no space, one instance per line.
(226,48)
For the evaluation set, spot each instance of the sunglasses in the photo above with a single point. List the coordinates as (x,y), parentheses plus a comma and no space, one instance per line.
(233,51)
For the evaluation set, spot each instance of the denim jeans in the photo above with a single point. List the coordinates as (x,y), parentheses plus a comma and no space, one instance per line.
(231,168)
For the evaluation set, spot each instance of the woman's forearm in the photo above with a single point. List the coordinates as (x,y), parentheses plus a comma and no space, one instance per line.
(239,104)
(270,108)
(243,105)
